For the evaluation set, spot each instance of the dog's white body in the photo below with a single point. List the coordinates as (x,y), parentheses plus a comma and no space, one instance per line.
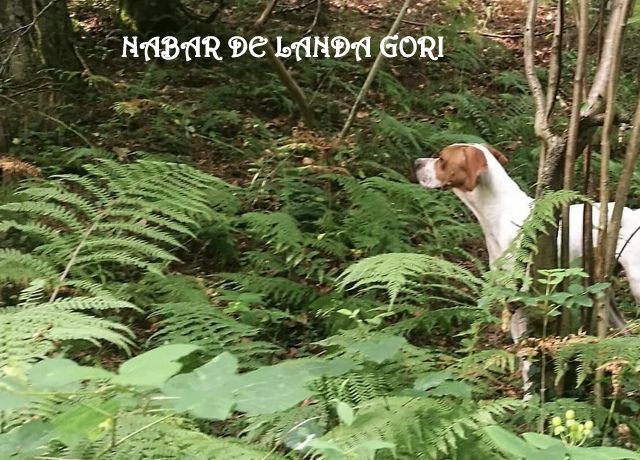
(501,207)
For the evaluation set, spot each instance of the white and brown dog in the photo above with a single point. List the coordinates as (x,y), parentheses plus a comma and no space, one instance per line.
(476,175)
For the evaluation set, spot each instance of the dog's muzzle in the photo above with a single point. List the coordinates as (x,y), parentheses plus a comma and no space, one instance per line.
(426,172)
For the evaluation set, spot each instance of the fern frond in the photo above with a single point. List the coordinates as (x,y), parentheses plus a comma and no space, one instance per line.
(21,267)
(283,292)
(207,326)
(34,329)
(417,427)
(401,273)
(117,216)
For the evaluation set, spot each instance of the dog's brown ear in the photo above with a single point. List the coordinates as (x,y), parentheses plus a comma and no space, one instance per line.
(503,160)
(476,164)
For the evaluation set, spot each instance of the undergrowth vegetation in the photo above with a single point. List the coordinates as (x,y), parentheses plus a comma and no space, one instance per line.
(201,283)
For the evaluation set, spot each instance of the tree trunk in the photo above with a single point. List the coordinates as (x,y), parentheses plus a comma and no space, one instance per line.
(38,36)
(151,17)
(34,35)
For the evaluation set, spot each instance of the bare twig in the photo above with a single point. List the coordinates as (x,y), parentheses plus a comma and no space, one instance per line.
(315,17)
(264,17)
(282,72)
(372,73)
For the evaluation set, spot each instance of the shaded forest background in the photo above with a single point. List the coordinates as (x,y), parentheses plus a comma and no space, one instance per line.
(194,267)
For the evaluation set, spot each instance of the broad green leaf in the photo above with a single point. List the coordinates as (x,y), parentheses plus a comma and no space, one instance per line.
(601,453)
(214,389)
(345,412)
(508,442)
(207,392)
(154,367)
(83,421)
(432,380)
(452,388)
(541,441)
(57,373)
(558,451)
(14,393)
(275,388)
(380,349)
(26,441)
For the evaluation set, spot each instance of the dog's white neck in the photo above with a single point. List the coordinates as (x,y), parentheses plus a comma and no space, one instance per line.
(499,204)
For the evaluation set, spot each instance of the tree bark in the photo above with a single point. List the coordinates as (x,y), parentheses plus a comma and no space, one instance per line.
(34,35)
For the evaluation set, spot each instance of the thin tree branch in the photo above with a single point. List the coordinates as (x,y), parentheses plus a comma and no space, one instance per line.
(540,124)
(555,65)
(315,17)
(264,17)
(372,73)
(281,70)
(600,268)
(596,98)
(574,123)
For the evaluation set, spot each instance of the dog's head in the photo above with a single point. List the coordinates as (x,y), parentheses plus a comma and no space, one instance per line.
(457,166)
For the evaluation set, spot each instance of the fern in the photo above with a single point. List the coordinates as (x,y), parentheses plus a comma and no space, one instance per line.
(353,388)
(282,292)
(34,327)
(88,228)
(207,326)
(156,437)
(417,427)
(400,273)
(617,355)
(514,264)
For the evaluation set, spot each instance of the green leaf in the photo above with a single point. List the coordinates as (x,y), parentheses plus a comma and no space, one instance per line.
(508,442)
(275,388)
(214,389)
(26,441)
(83,421)
(345,413)
(541,441)
(601,453)
(57,373)
(432,380)
(378,350)
(550,453)
(453,388)
(207,392)
(14,393)
(154,367)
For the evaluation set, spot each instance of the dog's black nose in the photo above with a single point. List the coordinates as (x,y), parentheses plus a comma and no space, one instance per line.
(418,163)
